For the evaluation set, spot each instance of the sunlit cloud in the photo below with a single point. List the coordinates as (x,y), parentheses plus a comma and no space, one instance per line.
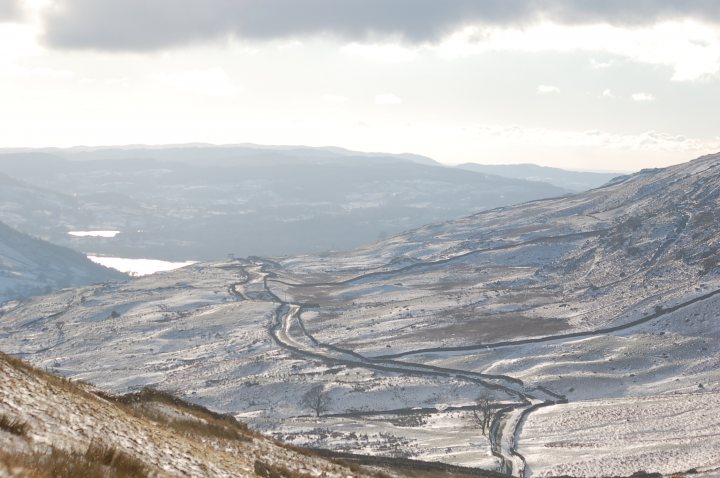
(643,97)
(646,141)
(388,52)
(547,89)
(601,65)
(691,49)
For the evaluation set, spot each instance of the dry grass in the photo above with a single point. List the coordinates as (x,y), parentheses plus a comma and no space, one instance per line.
(186,419)
(122,463)
(193,427)
(203,422)
(18,364)
(356,468)
(155,408)
(14,426)
(97,462)
(268,470)
(208,423)
(63,383)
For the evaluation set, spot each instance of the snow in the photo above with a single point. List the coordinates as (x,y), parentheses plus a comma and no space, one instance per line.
(618,437)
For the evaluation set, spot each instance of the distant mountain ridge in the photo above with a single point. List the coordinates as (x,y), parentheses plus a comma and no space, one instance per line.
(571,180)
(256,200)
(175,152)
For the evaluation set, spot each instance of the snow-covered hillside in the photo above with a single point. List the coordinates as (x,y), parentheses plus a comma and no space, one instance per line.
(46,422)
(564,314)
(30,266)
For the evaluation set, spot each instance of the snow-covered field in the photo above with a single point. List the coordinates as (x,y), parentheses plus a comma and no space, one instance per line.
(663,433)
(450,437)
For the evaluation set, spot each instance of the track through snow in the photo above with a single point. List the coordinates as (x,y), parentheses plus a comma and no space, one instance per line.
(288,331)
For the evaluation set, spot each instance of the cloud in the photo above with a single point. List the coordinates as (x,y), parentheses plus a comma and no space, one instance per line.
(653,141)
(600,65)
(9,10)
(213,82)
(388,99)
(547,89)
(607,93)
(643,97)
(383,52)
(159,24)
(690,48)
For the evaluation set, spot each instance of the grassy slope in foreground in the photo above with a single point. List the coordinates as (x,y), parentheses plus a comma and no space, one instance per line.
(53,427)
(49,426)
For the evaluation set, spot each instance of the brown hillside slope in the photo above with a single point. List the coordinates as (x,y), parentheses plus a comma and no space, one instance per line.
(49,425)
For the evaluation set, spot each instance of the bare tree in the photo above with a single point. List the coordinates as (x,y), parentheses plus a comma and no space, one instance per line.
(316,399)
(60,326)
(483,412)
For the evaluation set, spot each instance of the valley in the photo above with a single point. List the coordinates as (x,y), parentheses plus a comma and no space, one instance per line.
(569,315)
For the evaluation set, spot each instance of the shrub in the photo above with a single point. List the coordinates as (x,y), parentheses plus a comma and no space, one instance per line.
(709,264)
(122,463)
(205,422)
(268,470)
(11,425)
(63,464)
(97,462)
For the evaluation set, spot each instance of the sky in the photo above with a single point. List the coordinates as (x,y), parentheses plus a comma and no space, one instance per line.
(590,85)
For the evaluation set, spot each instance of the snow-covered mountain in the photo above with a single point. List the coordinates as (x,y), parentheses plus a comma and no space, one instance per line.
(30,266)
(578,319)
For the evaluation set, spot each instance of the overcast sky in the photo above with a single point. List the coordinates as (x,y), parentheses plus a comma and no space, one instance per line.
(585,84)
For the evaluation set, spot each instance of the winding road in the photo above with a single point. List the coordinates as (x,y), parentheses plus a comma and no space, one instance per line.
(288,331)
